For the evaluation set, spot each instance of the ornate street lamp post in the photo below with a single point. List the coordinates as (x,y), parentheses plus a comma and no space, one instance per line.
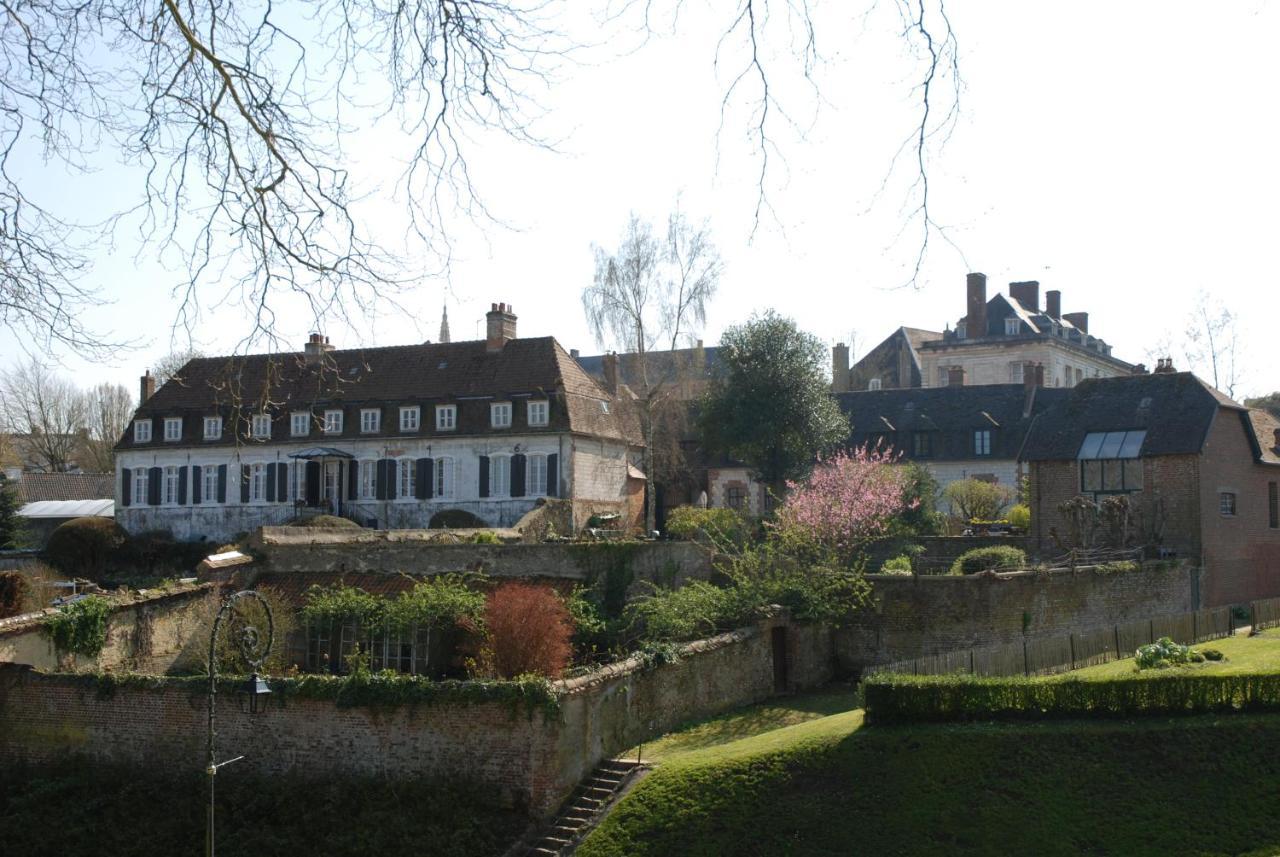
(254,646)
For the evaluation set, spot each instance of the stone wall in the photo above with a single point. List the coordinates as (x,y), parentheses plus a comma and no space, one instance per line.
(532,758)
(146,633)
(914,616)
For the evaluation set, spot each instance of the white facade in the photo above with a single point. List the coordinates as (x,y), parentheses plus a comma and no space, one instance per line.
(1002,362)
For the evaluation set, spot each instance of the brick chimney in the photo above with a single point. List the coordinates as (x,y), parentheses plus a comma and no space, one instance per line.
(840,368)
(955,376)
(610,364)
(1053,303)
(1032,375)
(1026,293)
(1164,366)
(976,319)
(316,348)
(1079,319)
(146,387)
(500,327)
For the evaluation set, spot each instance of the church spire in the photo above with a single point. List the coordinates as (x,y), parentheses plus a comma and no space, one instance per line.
(444,323)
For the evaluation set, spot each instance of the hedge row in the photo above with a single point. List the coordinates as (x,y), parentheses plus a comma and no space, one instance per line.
(892,698)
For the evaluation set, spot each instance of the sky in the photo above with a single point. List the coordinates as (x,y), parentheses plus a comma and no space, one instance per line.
(1123,154)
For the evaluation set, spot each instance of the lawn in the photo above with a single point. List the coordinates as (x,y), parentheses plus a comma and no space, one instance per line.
(1244,655)
(827,786)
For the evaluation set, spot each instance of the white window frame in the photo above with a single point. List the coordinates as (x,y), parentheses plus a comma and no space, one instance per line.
(370,420)
(209,484)
(368,470)
(534,487)
(213,428)
(298,480)
(169,485)
(141,482)
(500,415)
(539,412)
(300,423)
(142,431)
(172,429)
(1012,326)
(499,465)
(410,418)
(982,442)
(260,427)
(446,417)
(873,384)
(445,477)
(333,421)
(258,482)
(406,479)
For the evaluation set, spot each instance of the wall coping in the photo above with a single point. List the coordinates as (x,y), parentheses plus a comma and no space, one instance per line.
(1018,575)
(134,598)
(636,663)
(269,536)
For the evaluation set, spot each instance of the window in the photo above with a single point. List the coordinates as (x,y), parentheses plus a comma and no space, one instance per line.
(1109,462)
(173,428)
(500,415)
(1012,326)
(873,384)
(408,479)
(1016,374)
(735,496)
(368,480)
(300,424)
(500,476)
(446,417)
(922,444)
(209,484)
(318,642)
(370,420)
(212,428)
(444,477)
(170,496)
(261,428)
(257,483)
(943,376)
(982,442)
(298,480)
(395,650)
(537,483)
(141,431)
(333,422)
(538,413)
(1227,504)
(1273,506)
(140,486)
(409,418)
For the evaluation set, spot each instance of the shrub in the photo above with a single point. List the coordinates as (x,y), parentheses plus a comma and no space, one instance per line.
(720,526)
(1122,567)
(1020,516)
(528,629)
(1163,653)
(1213,655)
(80,627)
(919,516)
(897,565)
(974,499)
(485,537)
(989,559)
(694,610)
(83,547)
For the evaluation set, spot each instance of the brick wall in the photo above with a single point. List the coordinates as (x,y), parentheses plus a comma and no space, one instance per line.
(915,616)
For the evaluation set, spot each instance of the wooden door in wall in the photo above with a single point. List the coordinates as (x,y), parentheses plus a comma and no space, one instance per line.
(780,678)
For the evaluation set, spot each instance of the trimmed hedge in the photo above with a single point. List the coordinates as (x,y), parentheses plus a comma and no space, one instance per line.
(892,699)
(997,558)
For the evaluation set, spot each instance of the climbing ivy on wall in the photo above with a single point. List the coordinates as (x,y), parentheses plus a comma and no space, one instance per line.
(609,572)
(80,627)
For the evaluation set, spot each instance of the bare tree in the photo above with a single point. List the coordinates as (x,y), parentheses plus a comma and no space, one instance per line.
(47,414)
(110,408)
(645,293)
(1212,343)
(170,366)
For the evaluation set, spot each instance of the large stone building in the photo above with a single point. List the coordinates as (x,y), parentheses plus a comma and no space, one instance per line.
(392,437)
(995,342)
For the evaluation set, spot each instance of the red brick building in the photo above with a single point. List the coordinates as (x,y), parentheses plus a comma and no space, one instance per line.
(1200,473)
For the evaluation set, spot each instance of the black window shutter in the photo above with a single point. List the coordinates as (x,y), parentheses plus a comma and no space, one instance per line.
(126,495)
(153,486)
(222,483)
(553,475)
(197,484)
(244,483)
(182,486)
(313,483)
(484,476)
(431,477)
(517,475)
(421,490)
(353,480)
(271,482)
(380,479)
(282,482)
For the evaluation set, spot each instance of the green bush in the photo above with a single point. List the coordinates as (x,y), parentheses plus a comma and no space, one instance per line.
(1212,655)
(897,565)
(1122,567)
(1020,516)
(720,526)
(895,699)
(1161,654)
(694,610)
(1002,557)
(486,537)
(84,547)
(80,627)
(975,499)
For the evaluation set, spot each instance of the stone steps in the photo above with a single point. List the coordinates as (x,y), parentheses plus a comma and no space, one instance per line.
(591,797)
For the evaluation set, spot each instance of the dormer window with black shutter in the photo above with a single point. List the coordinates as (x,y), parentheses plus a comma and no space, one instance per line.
(1109,462)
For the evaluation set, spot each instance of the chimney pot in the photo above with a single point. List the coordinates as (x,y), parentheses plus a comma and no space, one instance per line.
(500,327)
(1026,293)
(147,387)
(316,348)
(1053,303)
(976,295)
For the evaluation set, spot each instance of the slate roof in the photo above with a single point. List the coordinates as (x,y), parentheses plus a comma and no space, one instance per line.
(462,373)
(666,367)
(953,413)
(1175,409)
(39,487)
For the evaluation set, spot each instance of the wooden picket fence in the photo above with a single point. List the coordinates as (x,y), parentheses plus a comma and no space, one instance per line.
(1047,655)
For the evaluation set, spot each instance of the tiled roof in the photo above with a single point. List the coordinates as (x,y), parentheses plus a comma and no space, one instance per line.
(35,487)
(1175,409)
(465,374)
(1265,426)
(662,366)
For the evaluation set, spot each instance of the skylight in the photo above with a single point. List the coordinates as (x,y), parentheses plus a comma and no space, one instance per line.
(1111,444)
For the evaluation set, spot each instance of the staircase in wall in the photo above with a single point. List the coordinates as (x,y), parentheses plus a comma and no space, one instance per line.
(583,809)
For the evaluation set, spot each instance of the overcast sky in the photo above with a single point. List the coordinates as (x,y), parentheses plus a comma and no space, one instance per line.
(1124,154)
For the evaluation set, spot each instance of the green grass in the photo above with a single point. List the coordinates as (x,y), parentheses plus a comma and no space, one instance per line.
(1244,655)
(826,786)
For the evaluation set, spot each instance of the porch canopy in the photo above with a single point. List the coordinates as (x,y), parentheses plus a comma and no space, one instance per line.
(317,452)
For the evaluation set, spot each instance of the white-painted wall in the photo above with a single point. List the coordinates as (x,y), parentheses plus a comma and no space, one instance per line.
(988,363)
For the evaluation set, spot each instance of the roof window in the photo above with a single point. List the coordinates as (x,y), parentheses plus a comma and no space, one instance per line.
(1111,444)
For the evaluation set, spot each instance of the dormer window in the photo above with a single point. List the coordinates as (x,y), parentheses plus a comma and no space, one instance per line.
(538,413)
(873,384)
(261,427)
(370,420)
(1011,326)
(409,418)
(212,428)
(173,428)
(300,423)
(142,431)
(446,417)
(333,422)
(500,415)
